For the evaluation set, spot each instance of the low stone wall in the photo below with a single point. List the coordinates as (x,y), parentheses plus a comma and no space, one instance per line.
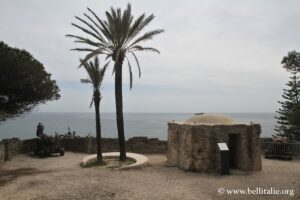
(11,147)
(147,145)
(2,152)
(135,145)
(27,146)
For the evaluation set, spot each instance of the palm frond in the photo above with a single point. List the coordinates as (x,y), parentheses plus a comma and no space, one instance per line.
(137,62)
(92,102)
(138,26)
(130,72)
(104,28)
(107,56)
(104,68)
(91,19)
(113,71)
(116,36)
(135,28)
(140,48)
(82,49)
(146,36)
(95,73)
(85,81)
(97,33)
(85,40)
(86,31)
(90,55)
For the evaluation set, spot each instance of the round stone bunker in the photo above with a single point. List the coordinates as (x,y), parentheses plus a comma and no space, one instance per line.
(193,143)
(212,119)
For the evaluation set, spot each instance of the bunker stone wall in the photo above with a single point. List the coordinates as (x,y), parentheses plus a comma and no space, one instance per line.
(194,147)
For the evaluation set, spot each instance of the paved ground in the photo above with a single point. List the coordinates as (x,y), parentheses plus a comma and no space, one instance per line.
(62,178)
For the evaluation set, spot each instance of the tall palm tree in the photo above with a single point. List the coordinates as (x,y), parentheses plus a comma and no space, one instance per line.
(118,36)
(95,77)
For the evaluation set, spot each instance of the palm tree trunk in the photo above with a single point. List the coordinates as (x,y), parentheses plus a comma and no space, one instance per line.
(98,126)
(119,108)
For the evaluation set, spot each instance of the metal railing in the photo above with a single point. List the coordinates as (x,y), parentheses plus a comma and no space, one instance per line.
(281,150)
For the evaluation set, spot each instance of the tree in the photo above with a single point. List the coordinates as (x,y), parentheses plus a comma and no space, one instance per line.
(24,83)
(96,74)
(289,113)
(291,62)
(117,37)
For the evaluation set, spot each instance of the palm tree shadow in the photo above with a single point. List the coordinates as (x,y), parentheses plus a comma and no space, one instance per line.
(7,176)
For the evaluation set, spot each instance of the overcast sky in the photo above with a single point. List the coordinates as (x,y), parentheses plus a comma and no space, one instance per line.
(216,56)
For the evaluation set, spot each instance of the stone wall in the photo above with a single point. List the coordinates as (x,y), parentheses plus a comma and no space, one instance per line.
(2,152)
(135,145)
(11,147)
(146,145)
(194,147)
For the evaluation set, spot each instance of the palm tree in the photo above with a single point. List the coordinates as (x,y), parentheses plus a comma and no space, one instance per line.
(117,37)
(95,77)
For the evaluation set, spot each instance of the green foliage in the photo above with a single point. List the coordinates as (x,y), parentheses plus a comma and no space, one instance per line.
(95,76)
(94,164)
(289,114)
(116,37)
(291,62)
(24,83)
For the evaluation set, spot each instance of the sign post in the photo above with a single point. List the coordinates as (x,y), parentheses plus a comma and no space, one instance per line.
(224,158)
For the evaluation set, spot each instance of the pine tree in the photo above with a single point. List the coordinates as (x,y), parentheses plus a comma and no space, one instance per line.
(289,114)
(24,83)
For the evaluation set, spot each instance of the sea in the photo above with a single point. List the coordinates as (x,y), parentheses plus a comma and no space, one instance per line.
(151,125)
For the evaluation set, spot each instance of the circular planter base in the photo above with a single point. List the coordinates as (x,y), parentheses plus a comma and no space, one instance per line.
(140,160)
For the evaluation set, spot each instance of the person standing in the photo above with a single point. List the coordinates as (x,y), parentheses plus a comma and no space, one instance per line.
(40,130)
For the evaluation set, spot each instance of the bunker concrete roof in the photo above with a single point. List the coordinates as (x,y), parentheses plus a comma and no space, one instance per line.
(209,119)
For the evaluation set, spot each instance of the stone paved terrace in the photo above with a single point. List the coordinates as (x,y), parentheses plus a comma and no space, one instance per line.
(27,177)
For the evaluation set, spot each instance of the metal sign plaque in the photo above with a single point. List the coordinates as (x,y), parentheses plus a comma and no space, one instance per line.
(223,146)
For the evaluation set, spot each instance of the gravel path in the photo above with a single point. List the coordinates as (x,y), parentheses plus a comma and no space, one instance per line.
(28,177)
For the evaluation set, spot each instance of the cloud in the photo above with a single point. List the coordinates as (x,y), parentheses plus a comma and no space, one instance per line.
(215,56)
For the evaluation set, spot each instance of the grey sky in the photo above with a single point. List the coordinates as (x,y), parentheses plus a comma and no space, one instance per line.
(216,56)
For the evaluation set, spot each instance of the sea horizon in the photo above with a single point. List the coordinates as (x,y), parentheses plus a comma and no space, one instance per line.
(92,111)
(144,124)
